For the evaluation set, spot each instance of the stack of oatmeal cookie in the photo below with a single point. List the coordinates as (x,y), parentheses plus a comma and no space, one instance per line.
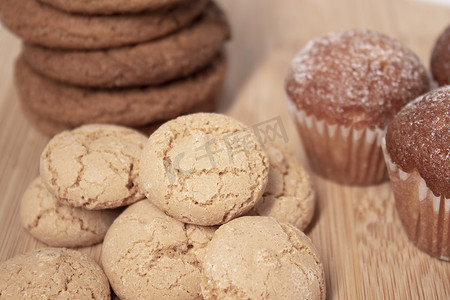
(131,63)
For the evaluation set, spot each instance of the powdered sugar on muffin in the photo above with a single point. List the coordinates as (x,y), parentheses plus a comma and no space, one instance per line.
(419,139)
(356,76)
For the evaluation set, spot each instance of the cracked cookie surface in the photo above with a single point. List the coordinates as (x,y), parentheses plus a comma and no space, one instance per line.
(93,166)
(52,273)
(289,196)
(203,169)
(255,257)
(44,25)
(60,225)
(149,255)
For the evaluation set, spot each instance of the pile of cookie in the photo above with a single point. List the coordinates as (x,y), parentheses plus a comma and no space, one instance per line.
(136,64)
(214,212)
(86,175)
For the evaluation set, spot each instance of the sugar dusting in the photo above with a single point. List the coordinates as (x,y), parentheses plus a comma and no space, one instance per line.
(419,138)
(356,73)
(440,58)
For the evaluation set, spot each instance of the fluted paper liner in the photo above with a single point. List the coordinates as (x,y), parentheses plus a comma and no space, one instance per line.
(344,154)
(425,217)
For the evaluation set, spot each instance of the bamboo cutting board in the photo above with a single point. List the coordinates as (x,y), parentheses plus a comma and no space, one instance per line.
(364,249)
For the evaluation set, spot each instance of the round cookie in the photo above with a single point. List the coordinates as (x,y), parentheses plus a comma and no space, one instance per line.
(51,128)
(59,225)
(52,273)
(107,7)
(149,255)
(152,63)
(93,166)
(203,169)
(260,258)
(44,25)
(74,106)
(289,196)
(440,58)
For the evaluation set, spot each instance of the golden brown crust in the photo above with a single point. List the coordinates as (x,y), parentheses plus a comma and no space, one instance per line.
(418,138)
(355,77)
(41,24)
(151,63)
(440,58)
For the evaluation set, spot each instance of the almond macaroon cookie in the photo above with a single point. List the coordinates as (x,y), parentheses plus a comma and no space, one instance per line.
(149,255)
(260,258)
(53,273)
(93,166)
(59,225)
(289,196)
(417,152)
(342,90)
(440,58)
(203,168)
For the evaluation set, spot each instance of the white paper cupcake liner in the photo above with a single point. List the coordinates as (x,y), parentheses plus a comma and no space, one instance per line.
(425,216)
(344,154)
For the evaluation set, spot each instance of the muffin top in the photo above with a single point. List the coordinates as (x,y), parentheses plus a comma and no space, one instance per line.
(418,139)
(440,58)
(358,77)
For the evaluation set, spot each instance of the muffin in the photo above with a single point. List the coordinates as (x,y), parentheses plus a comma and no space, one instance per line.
(440,58)
(417,152)
(343,89)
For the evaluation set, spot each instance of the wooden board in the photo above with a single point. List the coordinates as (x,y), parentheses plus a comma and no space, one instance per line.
(357,231)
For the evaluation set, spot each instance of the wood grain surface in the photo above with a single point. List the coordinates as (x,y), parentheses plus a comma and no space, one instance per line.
(365,251)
